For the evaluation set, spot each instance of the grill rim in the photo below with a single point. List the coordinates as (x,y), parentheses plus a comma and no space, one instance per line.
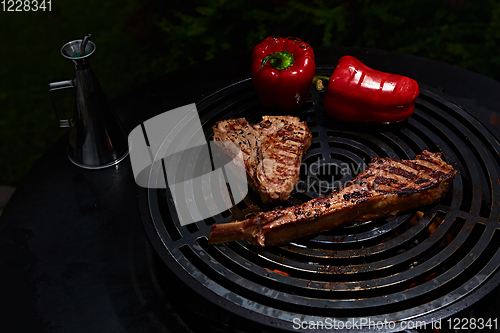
(456,307)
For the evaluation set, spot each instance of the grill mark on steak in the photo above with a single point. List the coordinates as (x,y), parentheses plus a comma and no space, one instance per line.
(407,191)
(401,172)
(272,152)
(385,181)
(415,166)
(374,193)
(357,195)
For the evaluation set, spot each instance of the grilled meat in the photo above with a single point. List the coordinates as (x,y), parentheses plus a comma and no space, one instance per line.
(386,187)
(272,152)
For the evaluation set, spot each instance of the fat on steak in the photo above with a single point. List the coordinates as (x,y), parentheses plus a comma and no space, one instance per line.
(272,152)
(386,187)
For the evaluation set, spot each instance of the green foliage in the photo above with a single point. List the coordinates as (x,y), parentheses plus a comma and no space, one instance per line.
(212,29)
(462,33)
(139,39)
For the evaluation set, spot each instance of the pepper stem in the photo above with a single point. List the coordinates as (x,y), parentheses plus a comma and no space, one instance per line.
(279,60)
(317,81)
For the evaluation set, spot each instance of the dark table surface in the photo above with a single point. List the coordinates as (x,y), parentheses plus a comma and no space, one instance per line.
(74,256)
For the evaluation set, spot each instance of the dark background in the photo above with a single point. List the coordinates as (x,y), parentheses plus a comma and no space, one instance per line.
(138,40)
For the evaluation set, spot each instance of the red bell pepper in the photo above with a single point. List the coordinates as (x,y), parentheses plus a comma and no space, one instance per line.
(282,72)
(358,93)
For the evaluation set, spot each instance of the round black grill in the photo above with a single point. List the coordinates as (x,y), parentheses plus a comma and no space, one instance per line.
(394,269)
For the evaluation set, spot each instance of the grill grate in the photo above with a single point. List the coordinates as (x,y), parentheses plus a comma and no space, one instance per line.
(393,269)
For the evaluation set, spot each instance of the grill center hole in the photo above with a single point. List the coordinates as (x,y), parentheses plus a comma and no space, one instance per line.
(330,173)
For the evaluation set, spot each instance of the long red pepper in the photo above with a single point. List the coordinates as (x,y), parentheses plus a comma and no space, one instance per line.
(356,92)
(282,72)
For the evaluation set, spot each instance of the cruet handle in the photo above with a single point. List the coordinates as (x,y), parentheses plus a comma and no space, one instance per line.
(57,86)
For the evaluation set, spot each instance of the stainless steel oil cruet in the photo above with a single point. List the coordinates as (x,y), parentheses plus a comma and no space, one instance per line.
(96,137)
